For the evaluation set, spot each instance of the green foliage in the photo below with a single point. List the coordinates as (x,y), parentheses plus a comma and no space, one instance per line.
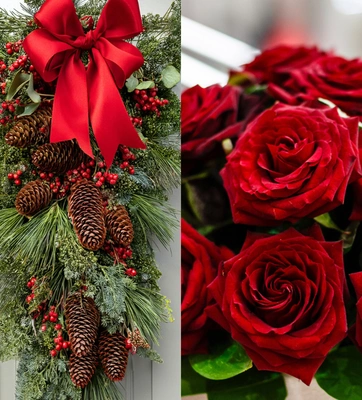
(339,375)
(40,377)
(150,354)
(101,387)
(251,385)
(154,216)
(145,309)
(108,286)
(222,362)
(36,242)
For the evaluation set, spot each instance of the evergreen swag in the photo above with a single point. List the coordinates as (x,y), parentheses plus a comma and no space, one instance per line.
(64,308)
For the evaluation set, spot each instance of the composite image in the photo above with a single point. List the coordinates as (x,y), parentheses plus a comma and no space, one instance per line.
(180,200)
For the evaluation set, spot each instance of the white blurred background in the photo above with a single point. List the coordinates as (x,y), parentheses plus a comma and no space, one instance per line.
(331,24)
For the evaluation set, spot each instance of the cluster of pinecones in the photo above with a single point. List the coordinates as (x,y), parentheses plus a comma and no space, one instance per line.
(86,210)
(89,346)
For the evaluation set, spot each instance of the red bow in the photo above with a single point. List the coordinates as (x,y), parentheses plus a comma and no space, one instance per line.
(55,51)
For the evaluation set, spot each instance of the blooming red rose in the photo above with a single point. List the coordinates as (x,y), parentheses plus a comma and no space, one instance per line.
(355,332)
(291,162)
(276,64)
(210,115)
(200,259)
(329,77)
(282,299)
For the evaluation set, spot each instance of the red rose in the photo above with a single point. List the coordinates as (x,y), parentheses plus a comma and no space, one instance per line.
(355,332)
(329,77)
(276,64)
(200,259)
(290,163)
(281,298)
(208,116)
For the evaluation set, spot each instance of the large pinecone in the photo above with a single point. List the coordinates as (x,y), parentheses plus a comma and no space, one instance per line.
(120,225)
(83,319)
(26,132)
(87,214)
(33,197)
(113,355)
(83,368)
(59,157)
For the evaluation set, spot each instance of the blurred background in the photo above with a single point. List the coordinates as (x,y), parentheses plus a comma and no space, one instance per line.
(331,24)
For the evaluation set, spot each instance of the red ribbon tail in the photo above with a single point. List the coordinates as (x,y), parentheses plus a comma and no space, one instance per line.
(70,110)
(110,121)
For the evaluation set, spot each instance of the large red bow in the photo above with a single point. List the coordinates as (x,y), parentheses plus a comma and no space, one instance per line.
(55,51)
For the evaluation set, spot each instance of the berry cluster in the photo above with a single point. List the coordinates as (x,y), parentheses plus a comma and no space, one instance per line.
(60,343)
(16,177)
(7,111)
(102,177)
(136,121)
(127,158)
(118,253)
(31,285)
(14,47)
(3,87)
(131,272)
(2,66)
(148,101)
(18,63)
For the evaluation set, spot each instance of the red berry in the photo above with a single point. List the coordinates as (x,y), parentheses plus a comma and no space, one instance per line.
(112,181)
(53,319)
(43,328)
(10,176)
(9,51)
(29,299)
(43,175)
(66,345)
(53,353)
(99,183)
(99,174)
(128,344)
(58,347)
(58,327)
(17,182)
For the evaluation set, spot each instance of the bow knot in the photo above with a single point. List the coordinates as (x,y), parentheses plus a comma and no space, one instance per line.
(85,42)
(91,93)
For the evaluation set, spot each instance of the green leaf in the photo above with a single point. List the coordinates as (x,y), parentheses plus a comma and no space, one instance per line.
(340,375)
(28,110)
(326,221)
(131,83)
(146,85)
(33,95)
(170,76)
(19,81)
(191,381)
(251,385)
(222,363)
(349,235)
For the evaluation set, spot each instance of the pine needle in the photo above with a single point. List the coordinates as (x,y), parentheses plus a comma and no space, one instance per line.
(154,216)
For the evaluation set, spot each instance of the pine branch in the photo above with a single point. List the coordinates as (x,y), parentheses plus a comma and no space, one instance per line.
(36,241)
(101,388)
(154,216)
(145,309)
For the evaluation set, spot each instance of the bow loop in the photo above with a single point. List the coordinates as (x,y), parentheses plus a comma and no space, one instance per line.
(55,50)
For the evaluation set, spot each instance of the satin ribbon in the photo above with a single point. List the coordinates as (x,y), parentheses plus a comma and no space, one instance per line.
(88,92)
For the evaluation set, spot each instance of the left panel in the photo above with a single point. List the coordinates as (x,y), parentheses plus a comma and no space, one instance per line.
(89,199)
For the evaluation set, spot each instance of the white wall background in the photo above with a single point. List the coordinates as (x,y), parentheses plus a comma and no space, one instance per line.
(145,380)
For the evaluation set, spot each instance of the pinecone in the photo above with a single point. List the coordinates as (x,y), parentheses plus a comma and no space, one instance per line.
(33,197)
(87,214)
(136,339)
(113,355)
(26,132)
(119,225)
(82,369)
(59,157)
(83,319)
